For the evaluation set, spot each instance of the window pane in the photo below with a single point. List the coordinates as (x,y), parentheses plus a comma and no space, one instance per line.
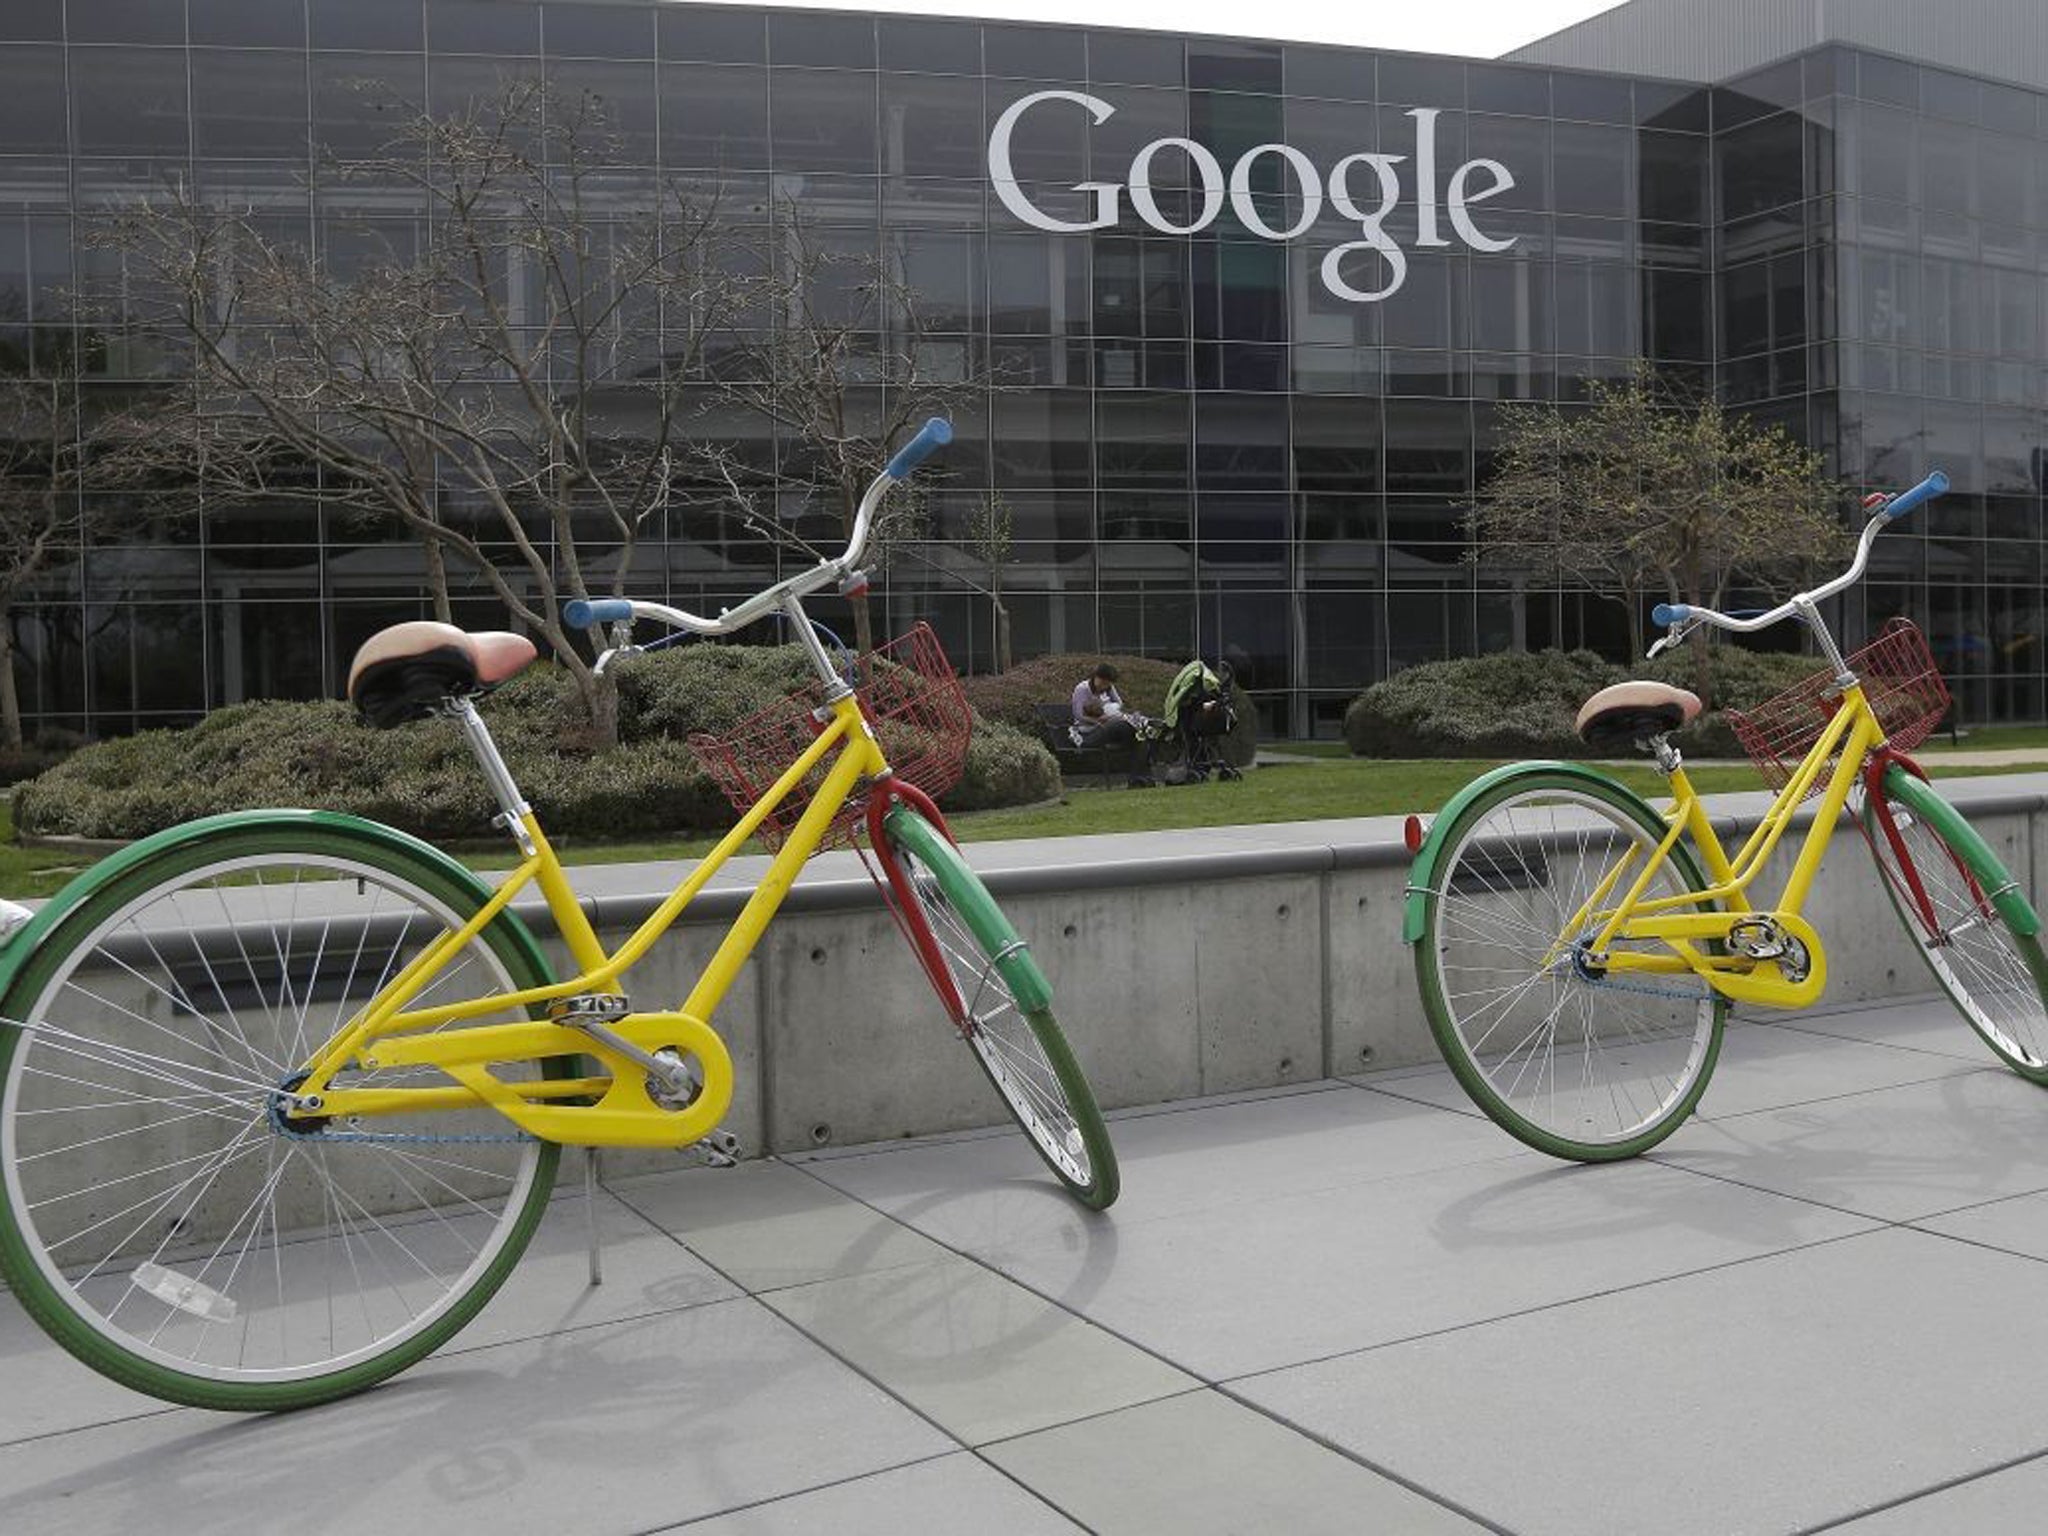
(618,98)
(127,21)
(700,32)
(931,45)
(361,100)
(482,26)
(31,100)
(32,21)
(821,40)
(824,120)
(247,23)
(1592,169)
(1035,53)
(714,115)
(249,102)
(366,23)
(601,31)
(931,126)
(129,101)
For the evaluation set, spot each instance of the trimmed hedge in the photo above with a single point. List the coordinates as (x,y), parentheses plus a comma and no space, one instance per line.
(1013,697)
(1522,704)
(421,777)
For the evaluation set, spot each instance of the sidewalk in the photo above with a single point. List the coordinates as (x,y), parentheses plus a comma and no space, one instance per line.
(1349,1307)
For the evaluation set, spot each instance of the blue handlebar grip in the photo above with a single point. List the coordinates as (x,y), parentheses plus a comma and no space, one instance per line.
(1669,613)
(935,435)
(1926,490)
(581,613)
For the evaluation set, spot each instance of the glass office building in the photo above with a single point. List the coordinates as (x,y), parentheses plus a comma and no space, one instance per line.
(1249,310)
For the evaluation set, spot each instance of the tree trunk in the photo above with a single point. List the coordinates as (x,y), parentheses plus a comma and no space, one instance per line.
(1002,616)
(600,696)
(863,625)
(437,580)
(10,697)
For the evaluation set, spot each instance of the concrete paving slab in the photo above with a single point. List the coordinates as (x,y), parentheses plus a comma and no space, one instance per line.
(2008,1500)
(1895,1154)
(1761,1067)
(1230,1289)
(2019,1225)
(980,1355)
(1204,1465)
(1766,1396)
(645,1271)
(1928,1024)
(621,1428)
(953,1493)
(46,1391)
(1200,1158)
(767,1225)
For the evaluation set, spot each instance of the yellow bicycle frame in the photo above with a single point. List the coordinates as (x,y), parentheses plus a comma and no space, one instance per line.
(615,1110)
(1677,921)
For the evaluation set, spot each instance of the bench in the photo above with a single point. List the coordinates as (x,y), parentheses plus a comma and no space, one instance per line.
(1055,723)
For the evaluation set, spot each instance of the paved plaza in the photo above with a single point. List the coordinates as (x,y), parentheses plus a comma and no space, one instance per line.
(1354,1306)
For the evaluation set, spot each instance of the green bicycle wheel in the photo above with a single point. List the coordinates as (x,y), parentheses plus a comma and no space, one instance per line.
(1562,1054)
(161,1220)
(1996,976)
(992,990)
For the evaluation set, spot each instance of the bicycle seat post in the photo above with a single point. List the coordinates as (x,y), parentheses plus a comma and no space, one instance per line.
(512,806)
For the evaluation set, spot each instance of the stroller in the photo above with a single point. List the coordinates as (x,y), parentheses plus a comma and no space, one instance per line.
(1199,714)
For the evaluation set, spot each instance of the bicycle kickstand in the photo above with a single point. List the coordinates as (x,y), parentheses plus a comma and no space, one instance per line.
(590,1215)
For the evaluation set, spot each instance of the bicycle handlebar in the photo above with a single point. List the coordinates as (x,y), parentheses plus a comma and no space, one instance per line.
(588,613)
(1933,486)
(1672,614)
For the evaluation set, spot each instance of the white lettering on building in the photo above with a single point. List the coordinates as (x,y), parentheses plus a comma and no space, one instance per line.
(1471,183)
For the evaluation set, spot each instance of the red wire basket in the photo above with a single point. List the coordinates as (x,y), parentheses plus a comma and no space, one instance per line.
(910,696)
(1899,678)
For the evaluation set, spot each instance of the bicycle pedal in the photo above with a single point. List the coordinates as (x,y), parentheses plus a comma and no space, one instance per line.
(719,1149)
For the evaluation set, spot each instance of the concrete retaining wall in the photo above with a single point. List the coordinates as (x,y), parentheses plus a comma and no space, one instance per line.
(1183,963)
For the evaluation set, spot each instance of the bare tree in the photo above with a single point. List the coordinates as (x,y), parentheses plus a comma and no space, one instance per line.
(847,373)
(538,361)
(1649,492)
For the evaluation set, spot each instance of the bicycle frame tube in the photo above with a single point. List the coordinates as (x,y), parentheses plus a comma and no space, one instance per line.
(387,1018)
(1678,921)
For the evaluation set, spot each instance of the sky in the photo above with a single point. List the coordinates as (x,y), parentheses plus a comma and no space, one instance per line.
(1480,28)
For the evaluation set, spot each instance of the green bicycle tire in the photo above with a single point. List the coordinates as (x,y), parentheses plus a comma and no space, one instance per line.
(1683,1054)
(1034,1072)
(2008,1005)
(229,854)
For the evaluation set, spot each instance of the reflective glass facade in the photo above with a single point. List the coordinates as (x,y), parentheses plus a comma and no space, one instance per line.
(1245,377)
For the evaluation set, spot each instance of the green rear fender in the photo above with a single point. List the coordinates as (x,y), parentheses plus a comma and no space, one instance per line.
(22,943)
(1422,871)
(977,909)
(1920,798)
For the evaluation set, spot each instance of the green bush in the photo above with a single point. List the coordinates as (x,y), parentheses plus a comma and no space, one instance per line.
(422,778)
(1520,704)
(1510,705)
(1014,696)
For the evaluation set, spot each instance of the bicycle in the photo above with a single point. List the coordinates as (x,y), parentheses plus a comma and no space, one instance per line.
(285,1091)
(1577,950)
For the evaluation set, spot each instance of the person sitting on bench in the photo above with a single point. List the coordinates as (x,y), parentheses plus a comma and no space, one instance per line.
(1100,720)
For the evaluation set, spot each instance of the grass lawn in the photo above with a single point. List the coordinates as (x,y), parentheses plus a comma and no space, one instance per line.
(1326,786)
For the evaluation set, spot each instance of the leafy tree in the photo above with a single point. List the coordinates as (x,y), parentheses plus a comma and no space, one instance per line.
(1653,492)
